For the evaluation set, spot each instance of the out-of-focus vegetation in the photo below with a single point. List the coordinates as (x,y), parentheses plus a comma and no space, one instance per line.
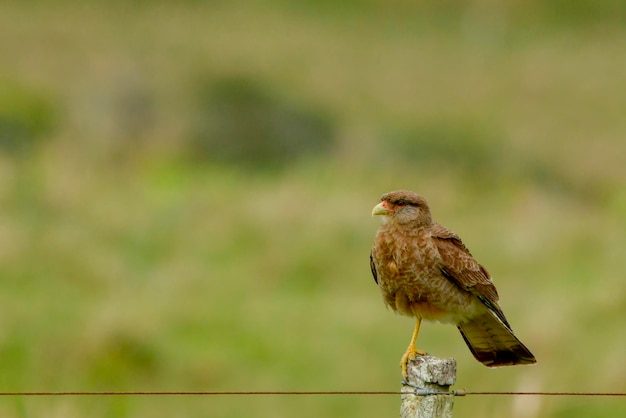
(239,123)
(186,186)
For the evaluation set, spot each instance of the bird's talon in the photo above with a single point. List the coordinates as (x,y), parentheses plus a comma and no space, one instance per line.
(419,353)
(410,354)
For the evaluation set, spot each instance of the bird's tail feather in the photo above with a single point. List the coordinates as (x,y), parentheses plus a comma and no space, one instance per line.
(493,343)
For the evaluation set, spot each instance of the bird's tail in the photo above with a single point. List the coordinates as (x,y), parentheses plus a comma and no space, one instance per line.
(493,343)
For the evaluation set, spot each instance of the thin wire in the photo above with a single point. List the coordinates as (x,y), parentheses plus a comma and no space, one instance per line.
(548,393)
(199,393)
(308,393)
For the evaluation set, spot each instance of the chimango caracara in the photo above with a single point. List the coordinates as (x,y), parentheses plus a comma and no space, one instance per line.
(425,271)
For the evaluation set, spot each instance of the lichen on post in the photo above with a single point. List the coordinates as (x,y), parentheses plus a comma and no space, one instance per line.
(426,391)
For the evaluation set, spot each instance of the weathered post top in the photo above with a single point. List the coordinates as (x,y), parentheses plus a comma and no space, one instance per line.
(427,378)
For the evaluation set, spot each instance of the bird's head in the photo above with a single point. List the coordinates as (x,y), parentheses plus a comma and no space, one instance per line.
(403,207)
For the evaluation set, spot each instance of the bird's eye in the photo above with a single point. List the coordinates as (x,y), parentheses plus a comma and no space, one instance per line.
(401,202)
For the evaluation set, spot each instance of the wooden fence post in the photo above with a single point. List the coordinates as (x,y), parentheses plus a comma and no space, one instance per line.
(421,393)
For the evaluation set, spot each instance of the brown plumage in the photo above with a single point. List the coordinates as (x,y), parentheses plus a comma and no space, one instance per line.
(425,271)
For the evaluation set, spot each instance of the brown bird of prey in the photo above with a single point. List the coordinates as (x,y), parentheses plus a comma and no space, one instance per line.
(425,271)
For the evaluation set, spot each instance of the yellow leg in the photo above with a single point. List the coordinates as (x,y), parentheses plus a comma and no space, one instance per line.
(411,351)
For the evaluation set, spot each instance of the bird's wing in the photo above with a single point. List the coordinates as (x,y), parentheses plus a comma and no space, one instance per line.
(460,267)
(373,267)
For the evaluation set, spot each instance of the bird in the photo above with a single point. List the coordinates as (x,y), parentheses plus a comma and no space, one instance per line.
(425,271)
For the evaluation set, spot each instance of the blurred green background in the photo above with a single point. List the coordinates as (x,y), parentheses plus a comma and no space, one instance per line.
(186,192)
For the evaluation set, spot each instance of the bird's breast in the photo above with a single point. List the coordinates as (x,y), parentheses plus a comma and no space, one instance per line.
(410,278)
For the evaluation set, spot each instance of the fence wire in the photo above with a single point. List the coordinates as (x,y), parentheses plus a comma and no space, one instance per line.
(458,392)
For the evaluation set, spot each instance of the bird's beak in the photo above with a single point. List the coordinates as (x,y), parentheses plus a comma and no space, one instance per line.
(380,209)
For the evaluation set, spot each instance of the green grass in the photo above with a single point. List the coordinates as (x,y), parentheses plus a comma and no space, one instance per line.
(125,265)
